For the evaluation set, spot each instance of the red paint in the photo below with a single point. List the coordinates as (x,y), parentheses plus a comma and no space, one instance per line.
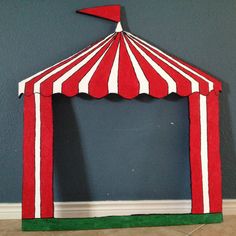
(158,87)
(109,12)
(46,169)
(70,86)
(195,154)
(214,162)
(98,86)
(29,86)
(128,85)
(46,87)
(217,83)
(28,183)
(203,85)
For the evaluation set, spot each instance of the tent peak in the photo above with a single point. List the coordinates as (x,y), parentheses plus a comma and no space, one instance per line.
(119,27)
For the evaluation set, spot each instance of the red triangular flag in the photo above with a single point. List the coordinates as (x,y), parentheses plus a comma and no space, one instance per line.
(110,12)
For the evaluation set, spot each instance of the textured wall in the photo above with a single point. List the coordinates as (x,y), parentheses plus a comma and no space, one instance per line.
(35,34)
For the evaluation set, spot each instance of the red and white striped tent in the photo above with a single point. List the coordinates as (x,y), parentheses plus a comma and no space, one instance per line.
(126,65)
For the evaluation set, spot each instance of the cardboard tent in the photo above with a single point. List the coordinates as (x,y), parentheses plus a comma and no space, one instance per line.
(126,65)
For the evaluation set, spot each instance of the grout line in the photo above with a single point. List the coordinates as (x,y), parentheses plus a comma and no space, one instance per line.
(200,226)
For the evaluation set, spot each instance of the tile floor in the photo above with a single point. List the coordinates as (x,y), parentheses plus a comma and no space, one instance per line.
(227,228)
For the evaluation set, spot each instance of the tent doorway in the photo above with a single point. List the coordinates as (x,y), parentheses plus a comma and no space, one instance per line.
(118,149)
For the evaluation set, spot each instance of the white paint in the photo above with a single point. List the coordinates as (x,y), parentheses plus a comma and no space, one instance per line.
(113,78)
(118,27)
(171,83)
(38,83)
(21,84)
(194,83)
(84,83)
(57,85)
(143,81)
(37,155)
(204,153)
(211,84)
(104,208)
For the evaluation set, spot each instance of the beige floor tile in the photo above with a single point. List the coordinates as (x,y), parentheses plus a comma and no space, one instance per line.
(186,228)
(145,231)
(9,225)
(114,232)
(227,228)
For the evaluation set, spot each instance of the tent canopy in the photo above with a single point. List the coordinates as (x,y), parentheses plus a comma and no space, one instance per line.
(123,64)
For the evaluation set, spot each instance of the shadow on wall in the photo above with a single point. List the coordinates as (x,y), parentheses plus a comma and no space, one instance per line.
(68,155)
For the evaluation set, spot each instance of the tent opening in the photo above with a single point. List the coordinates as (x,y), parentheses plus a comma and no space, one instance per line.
(118,149)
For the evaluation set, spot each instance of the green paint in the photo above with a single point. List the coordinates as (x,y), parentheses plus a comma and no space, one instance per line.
(118,221)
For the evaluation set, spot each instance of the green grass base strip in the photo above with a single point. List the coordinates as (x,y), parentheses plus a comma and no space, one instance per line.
(118,221)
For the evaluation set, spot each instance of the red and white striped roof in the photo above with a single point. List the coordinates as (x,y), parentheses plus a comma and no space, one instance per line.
(123,64)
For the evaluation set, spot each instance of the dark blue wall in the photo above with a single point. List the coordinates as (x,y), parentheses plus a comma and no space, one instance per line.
(100,133)
(120,149)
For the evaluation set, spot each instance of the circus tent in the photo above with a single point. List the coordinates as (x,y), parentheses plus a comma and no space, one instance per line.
(127,65)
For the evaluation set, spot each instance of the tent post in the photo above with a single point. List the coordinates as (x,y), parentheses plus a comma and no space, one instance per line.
(37,199)
(195,153)
(214,162)
(204,153)
(28,182)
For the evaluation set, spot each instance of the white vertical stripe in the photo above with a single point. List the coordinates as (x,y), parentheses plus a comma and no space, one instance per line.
(84,83)
(37,155)
(171,83)
(194,83)
(210,83)
(57,85)
(143,81)
(113,78)
(204,153)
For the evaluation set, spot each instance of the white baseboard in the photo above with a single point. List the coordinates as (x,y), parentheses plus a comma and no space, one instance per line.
(10,211)
(106,208)
(229,206)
